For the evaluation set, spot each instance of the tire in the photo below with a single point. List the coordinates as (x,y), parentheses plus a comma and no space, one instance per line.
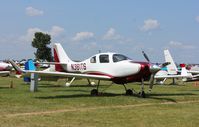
(94,92)
(129,92)
(142,94)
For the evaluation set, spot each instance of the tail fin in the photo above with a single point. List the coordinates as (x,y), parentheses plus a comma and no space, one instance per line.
(60,56)
(184,70)
(172,69)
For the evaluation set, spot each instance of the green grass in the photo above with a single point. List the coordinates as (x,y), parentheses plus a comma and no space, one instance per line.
(57,105)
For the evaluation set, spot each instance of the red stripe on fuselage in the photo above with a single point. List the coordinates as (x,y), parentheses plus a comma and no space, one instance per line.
(99,73)
(126,79)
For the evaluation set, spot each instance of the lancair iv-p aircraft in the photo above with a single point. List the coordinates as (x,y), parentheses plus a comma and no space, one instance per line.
(103,66)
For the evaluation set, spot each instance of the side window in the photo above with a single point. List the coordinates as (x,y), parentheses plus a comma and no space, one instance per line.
(119,57)
(93,59)
(104,58)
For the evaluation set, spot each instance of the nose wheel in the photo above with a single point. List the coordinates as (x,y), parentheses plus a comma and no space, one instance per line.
(142,94)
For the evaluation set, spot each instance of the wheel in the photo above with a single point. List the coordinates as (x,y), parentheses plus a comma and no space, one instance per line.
(129,92)
(142,94)
(94,92)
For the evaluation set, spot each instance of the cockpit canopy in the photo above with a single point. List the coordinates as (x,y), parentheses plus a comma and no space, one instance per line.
(108,57)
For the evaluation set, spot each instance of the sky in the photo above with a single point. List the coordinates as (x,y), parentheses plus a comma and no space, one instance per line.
(84,27)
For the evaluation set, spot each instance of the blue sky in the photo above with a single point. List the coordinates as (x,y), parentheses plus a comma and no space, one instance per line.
(85,26)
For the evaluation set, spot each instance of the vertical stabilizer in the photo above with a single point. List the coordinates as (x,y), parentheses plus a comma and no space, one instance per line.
(60,56)
(171,68)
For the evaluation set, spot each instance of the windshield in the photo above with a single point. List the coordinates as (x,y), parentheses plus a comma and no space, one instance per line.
(119,57)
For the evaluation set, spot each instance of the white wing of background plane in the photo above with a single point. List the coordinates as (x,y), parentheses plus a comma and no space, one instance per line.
(4,72)
(184,74)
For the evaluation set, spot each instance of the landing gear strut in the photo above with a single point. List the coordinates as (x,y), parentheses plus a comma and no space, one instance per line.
(142,93)
(128,91)
(95,92)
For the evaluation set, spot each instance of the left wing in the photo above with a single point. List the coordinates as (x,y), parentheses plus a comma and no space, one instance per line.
(61,74)
(65,74)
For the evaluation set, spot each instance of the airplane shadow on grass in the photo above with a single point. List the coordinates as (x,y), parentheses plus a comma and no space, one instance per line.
(78,96)
(4,87)
(89,86)
(167,97)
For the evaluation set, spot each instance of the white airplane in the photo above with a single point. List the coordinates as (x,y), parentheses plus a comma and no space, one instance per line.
(103,66)
(5,69)
(172,71)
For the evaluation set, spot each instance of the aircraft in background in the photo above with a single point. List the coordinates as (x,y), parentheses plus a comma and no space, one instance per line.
(103,66)
(172,71)
(5,69)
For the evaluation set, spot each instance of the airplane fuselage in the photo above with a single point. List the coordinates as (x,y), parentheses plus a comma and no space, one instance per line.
(120,71)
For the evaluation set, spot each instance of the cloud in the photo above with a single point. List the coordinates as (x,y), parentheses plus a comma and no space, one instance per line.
(180,45)
(197,19)
(29,34)
(83,36)
(89,46)
(30,11)
(150,24)
(55,31)
(111,35)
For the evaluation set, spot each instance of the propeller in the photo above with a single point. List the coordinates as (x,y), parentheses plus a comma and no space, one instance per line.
(165,64)
(145,56)
(153,69)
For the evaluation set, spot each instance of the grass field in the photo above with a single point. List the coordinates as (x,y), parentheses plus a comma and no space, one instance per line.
(55,105)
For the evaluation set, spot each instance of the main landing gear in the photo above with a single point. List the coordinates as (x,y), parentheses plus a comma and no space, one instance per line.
(142,93)
(95,92)
(130,92)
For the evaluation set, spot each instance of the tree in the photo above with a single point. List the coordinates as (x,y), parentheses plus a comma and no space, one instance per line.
(41,42)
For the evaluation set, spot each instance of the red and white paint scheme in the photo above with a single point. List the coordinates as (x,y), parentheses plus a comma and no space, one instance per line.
(5,69)
(103,66)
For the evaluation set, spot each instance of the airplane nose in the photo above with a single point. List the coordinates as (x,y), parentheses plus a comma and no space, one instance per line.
(145,69)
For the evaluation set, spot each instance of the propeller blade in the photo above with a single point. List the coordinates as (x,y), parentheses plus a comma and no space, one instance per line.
(145,56)
(165,64)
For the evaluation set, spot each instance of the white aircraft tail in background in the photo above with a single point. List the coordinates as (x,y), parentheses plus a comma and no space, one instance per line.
(171,68)
(172,71)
